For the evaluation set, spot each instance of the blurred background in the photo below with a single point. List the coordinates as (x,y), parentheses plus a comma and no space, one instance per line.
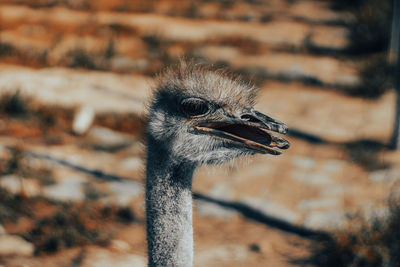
(75,76)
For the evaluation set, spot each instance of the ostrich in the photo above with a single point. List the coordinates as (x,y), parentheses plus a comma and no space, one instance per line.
(197,116)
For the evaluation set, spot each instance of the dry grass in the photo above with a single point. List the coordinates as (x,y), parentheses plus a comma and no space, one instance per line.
(76,225)
(364,244)
(6,50)
(369,36)
(371,30)
(367,154)
(14,104)
(14,163)
(370,26)
(376,77)
(26,119)
(55,225)
(69,225)
(12,207)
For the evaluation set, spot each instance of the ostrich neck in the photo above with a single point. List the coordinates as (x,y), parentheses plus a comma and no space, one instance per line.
(168,208)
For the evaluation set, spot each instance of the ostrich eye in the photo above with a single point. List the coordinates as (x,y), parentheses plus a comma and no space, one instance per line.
(195,106)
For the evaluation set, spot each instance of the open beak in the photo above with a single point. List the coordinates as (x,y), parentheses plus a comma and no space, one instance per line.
(253,129)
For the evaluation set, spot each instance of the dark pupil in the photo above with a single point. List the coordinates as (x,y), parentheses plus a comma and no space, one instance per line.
(195,107)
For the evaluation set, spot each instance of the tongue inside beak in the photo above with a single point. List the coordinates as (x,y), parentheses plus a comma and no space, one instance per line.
(250,134)
(247,132)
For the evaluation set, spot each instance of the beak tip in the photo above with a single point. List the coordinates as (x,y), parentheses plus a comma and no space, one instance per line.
(286,146)
(284,129)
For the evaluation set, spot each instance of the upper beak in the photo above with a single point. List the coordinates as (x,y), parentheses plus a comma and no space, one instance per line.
(253,129)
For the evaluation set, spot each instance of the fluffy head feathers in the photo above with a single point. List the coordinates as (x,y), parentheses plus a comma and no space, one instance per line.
(216,85)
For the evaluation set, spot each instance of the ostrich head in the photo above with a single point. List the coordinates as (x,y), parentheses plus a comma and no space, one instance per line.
(203,116)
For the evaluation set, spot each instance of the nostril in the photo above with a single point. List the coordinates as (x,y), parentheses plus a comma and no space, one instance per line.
(250,118)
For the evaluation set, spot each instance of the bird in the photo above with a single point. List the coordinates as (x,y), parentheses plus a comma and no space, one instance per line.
(198,115)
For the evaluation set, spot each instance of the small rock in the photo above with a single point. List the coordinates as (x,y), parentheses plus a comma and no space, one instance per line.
(119,246)
(125,191)
(386,175)
(131,164)
(322,220)
(255,248)
(221,191)
(83,120)
(16,185)
(69,189)
(107,139)
(15,245)
(12,183)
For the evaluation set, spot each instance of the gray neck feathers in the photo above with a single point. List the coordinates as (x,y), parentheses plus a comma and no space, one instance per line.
(168,208)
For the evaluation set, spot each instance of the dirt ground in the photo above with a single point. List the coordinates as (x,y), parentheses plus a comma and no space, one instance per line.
(75,77)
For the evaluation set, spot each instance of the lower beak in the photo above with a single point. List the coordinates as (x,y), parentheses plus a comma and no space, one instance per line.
(254,130)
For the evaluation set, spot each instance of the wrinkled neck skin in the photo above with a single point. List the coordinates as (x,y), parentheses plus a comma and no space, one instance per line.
(168,208)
